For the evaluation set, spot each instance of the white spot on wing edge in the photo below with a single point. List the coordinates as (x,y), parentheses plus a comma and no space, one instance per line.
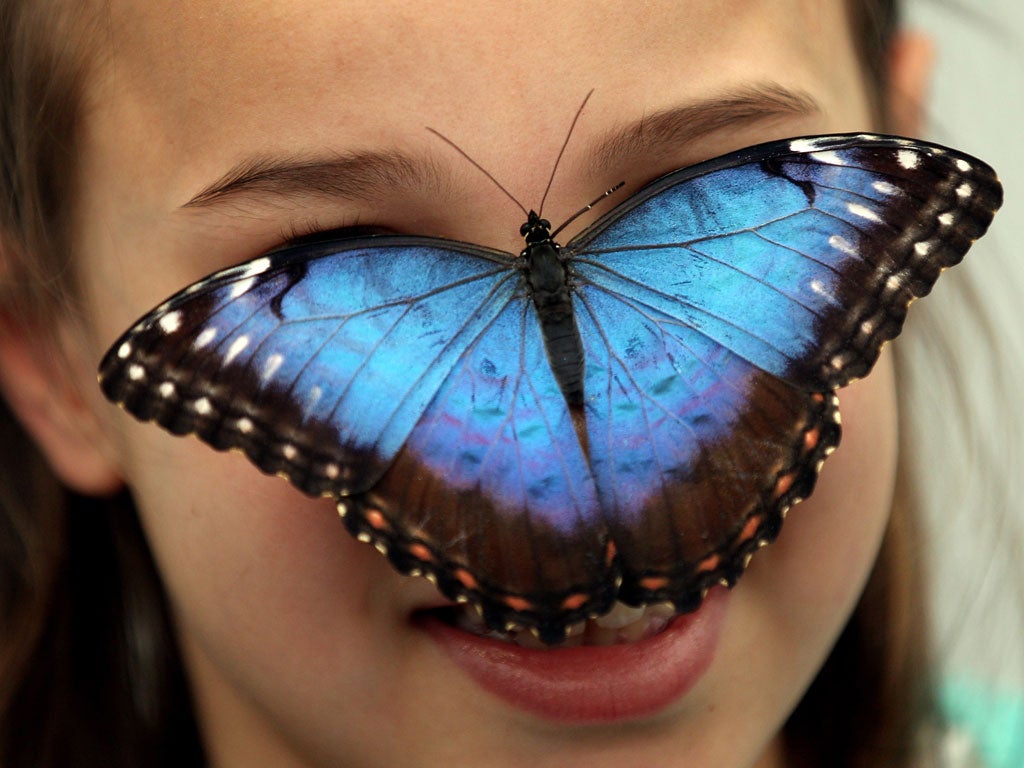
(236,348)
(819,288)
(962,165)
(203,406)
(863,212)
(806,145)
(170,322)
(965,190)
(946,219)
(907,159)
(241,287)
(842,245)
(166,389)
(829,157)
(124,350)
(257,267)
(312,398)
(272,365)
(208,334)
(136,372)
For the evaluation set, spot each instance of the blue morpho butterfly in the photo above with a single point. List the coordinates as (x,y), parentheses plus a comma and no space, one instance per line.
(627,416)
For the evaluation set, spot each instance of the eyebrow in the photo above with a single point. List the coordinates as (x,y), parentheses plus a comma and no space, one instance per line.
(364,175)
(358,175)
(678,126)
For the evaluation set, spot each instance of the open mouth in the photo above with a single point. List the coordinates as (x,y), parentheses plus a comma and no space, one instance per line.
(623,624)
(629,663)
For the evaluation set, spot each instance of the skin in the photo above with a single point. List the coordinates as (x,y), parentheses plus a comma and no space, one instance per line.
(297,638)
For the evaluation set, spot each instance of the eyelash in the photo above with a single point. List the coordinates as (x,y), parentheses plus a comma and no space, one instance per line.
(313,231)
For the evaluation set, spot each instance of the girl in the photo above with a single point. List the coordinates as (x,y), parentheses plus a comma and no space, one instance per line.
(173,606)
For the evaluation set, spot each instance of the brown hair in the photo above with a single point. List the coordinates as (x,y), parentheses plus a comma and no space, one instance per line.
(89,670)
(91,674)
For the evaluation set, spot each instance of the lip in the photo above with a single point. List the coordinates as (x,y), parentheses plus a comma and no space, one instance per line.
(591,684)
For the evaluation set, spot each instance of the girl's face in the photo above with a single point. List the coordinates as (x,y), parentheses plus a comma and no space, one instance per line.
(300,641)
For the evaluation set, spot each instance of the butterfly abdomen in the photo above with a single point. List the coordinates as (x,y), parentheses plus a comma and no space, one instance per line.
(548,280)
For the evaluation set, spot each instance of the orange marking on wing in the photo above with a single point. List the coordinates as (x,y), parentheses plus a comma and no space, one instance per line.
(811,439)
(750,529)
(377,520)
(466,579)
(610,552)
(709,563)
(517,603)
(654,582)
(783,484)
(572,602)
(420,552)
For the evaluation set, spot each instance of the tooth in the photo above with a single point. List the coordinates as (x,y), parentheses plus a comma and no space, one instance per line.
(576,630)
(656,625)
(619,616)
(661,610)
(635,631)
(471,621)
(529,640)
(598,635)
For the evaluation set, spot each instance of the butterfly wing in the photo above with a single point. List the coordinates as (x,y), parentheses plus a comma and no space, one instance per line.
(317,361)
(723,305)
(407,378)
(492,495)
(695,451)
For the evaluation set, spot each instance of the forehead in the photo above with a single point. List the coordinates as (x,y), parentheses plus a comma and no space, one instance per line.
(209,70)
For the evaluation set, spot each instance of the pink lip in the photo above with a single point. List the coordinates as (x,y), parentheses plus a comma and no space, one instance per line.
(591,684)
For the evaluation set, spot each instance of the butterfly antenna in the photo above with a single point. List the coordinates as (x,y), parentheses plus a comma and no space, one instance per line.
(588,206)
(479,167)
(561,152)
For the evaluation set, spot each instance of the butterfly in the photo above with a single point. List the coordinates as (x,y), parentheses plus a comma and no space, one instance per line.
(624,417)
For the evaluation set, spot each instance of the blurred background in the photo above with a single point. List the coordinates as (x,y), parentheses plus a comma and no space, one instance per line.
(963,356)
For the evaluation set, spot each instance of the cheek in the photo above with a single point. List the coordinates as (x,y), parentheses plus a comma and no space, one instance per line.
(800,591)
(265,583)
(834,536)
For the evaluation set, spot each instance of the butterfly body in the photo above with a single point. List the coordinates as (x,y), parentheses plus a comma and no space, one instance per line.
(627,416)
(548,279)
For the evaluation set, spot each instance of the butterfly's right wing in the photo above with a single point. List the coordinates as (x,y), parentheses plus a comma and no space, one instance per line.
(801,256)
(720,309)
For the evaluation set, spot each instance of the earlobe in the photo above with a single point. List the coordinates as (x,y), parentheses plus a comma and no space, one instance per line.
(42,395)
(911,59)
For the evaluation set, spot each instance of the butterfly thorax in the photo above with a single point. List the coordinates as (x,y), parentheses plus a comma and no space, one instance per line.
(548,280)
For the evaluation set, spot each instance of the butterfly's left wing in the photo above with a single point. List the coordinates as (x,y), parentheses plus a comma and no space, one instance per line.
(406,378)
(723,305)
(315,361)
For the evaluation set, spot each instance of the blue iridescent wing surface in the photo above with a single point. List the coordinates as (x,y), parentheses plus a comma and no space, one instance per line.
(406,378)
(721,307)
(492,494)
(318,361)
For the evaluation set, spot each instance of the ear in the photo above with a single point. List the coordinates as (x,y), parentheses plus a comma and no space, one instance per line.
(911,59)
(39,383)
